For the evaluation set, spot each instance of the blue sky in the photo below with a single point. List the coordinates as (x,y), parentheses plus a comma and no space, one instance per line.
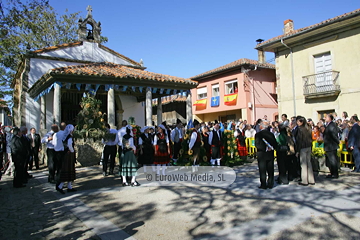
(188,37)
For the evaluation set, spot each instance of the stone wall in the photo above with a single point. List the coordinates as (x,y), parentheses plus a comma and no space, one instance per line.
(88,152)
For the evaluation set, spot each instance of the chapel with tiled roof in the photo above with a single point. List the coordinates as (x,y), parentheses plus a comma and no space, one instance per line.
(50,82)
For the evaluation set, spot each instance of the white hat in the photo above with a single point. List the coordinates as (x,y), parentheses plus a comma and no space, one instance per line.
(162,126)
(144,128)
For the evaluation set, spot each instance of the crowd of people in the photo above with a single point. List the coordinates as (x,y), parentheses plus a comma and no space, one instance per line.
(159,147)
(293,141)
(22,154)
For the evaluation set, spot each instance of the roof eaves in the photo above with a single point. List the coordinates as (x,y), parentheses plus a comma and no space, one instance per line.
(97,69)
(309,28)
(57,47)
(119,55)
(224,68)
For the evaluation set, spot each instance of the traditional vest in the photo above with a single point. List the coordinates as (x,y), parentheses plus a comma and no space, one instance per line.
(197,144)
(146,140)
(161,142)
(216,141)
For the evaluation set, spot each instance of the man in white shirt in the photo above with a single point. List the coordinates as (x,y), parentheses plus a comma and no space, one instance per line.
(284,120)
(195,142)
(215,138)
(250,132)
(176,137)
(265,119)
(57,140)
(50,152)
(110,151)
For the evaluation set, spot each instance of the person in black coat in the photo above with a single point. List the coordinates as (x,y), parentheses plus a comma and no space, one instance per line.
(265,143)
(331,144)
(26,142)
(354,142)
(18,154)
(35,147)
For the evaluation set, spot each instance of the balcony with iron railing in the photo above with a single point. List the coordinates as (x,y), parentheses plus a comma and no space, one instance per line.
(324,84)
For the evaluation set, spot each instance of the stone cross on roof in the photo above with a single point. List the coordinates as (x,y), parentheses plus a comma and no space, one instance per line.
(92,35)
(89,9)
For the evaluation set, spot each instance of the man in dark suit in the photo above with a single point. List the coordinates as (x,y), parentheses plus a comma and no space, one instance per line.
(26,143)
(331,144)
(354,141)
(18,154)
(265,143)
(35,147)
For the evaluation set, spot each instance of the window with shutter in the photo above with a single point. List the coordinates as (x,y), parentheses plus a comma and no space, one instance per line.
(323,72)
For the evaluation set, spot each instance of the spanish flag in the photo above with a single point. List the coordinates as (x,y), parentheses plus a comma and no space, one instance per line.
(230,99)
(200,104)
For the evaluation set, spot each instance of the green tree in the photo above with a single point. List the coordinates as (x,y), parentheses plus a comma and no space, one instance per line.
(27,26)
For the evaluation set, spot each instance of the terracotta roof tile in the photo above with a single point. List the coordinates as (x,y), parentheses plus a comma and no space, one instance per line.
(237,63)
(118,71)
(357,11)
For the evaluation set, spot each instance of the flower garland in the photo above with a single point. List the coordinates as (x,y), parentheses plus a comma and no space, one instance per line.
(136,133)
(231,156)
(186,155)
(90,121)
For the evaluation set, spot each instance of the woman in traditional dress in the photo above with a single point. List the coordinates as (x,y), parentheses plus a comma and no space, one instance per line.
(162,149)
(205,139)
(241,145)
(68,166)
(129,164)
(146,145)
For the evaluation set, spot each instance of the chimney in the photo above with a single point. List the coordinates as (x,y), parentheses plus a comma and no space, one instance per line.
(261,53)
(288,26)
(261,56)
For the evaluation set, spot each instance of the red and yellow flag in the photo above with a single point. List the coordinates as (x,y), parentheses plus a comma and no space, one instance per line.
(200,104)
(230,99)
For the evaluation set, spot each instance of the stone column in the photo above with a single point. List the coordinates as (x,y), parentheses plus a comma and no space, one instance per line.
(159,111)
(189,114)
(57,104)
(43,112)
(148,106)
(111,107)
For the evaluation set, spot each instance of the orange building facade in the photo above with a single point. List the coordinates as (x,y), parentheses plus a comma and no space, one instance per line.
(244,89)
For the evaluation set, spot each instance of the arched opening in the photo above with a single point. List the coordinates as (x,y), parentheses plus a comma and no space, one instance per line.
(90,30)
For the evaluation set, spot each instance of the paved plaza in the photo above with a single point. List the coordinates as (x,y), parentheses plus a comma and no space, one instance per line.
(103,209)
